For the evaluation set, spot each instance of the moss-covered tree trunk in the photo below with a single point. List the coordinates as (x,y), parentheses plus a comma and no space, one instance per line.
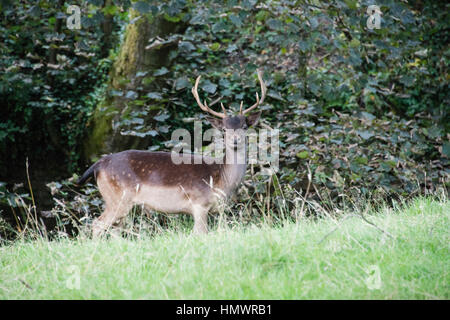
(132,58)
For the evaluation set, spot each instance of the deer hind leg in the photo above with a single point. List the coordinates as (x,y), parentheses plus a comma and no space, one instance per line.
(113,213)
(117,207)
(200,214)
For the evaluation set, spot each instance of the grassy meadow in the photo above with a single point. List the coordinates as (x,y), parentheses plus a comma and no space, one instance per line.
(389,253)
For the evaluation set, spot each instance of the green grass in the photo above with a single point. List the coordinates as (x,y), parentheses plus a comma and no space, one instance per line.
(323,259)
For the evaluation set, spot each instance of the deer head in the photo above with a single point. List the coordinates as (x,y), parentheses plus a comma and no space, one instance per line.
(234,126)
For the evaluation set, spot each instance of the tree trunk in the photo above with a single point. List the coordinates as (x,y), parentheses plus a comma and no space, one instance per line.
(57,30)
(132,58)
(107,28)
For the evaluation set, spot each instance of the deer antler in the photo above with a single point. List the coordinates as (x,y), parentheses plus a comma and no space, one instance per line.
(258,101)
(204,105)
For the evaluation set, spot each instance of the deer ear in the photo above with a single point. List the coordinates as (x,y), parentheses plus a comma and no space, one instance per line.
(253,118)
(215,122)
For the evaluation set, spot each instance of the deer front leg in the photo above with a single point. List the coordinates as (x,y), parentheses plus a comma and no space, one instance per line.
(200,215)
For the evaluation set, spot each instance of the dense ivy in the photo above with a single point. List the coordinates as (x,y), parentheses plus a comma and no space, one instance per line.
(360,107)
(50,79)
(364,110)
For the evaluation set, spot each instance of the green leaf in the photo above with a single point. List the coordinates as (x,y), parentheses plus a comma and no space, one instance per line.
(154,95)
(314,23)
(151,133)
(302,154)
(162,117)
(352,4)
(111,10)
(274,24)
(261,15)
(215,46)
(235,20)
(219,27)
(231,48)
(361,160)
(446,149)
(96,3)
(182,83)
(131,94)
(186,46)
(367,116)
(174,18)
(304,45)
(354,43)
(142,6)
(209,87)
(141,74)
(116,93)
(34,11)
(365,134)
(249,4)
(408,81)
(160,72)
(275,95)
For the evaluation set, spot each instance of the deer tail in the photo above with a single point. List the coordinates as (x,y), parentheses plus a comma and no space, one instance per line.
(92,171)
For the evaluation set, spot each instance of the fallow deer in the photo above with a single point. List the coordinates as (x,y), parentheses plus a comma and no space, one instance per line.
(153,179)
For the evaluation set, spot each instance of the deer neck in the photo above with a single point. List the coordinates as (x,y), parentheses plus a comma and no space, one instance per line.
(233,170)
